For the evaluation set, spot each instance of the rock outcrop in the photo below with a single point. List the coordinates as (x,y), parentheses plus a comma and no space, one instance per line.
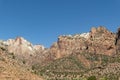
(98,41)
(20,46)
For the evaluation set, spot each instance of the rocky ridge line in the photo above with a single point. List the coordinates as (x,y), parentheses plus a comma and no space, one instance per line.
(98,41)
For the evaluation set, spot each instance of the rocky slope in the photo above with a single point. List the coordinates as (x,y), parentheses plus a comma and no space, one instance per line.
(10,68)
(19,54)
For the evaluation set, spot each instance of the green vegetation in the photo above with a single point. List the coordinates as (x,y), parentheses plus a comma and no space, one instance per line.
(24,62)
(92,78)
(11,55)
(3,48)
(2,69)
(112,77)
(71,68)
(2,59)
(104,78)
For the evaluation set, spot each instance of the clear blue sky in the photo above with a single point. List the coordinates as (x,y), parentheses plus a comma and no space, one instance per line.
(42,21)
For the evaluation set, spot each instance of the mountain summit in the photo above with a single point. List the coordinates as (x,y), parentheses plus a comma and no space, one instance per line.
(98,40)
(22,46)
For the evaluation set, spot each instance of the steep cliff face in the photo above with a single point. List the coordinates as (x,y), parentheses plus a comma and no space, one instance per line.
(117,42)
(102,41)
(20,46)
(98,41)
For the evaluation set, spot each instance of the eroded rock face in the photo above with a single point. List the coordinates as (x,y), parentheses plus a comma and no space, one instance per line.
(20,46)
(102,41)
(98,41)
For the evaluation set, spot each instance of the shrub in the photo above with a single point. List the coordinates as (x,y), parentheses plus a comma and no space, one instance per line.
(24,61)
(103,78)
(3,48)
(12,55)
(2,59)
(92,78)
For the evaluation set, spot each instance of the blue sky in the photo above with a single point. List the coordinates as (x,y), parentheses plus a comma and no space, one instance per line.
(42,21)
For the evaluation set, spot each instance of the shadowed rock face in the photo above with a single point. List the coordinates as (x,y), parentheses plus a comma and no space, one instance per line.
(117,36)
(117,42)
(98,41)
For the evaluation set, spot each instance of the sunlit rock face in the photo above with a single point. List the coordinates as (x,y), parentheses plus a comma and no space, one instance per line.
(20,46)
(98,41)
(38,47)
(102,41)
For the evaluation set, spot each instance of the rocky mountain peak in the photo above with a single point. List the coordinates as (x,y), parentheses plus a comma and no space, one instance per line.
(99,41)
(39,47)
(98,29)
(21,40)
(21,46)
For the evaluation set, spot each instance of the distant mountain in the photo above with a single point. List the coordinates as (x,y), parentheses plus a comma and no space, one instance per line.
(95,54)
(20,44)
